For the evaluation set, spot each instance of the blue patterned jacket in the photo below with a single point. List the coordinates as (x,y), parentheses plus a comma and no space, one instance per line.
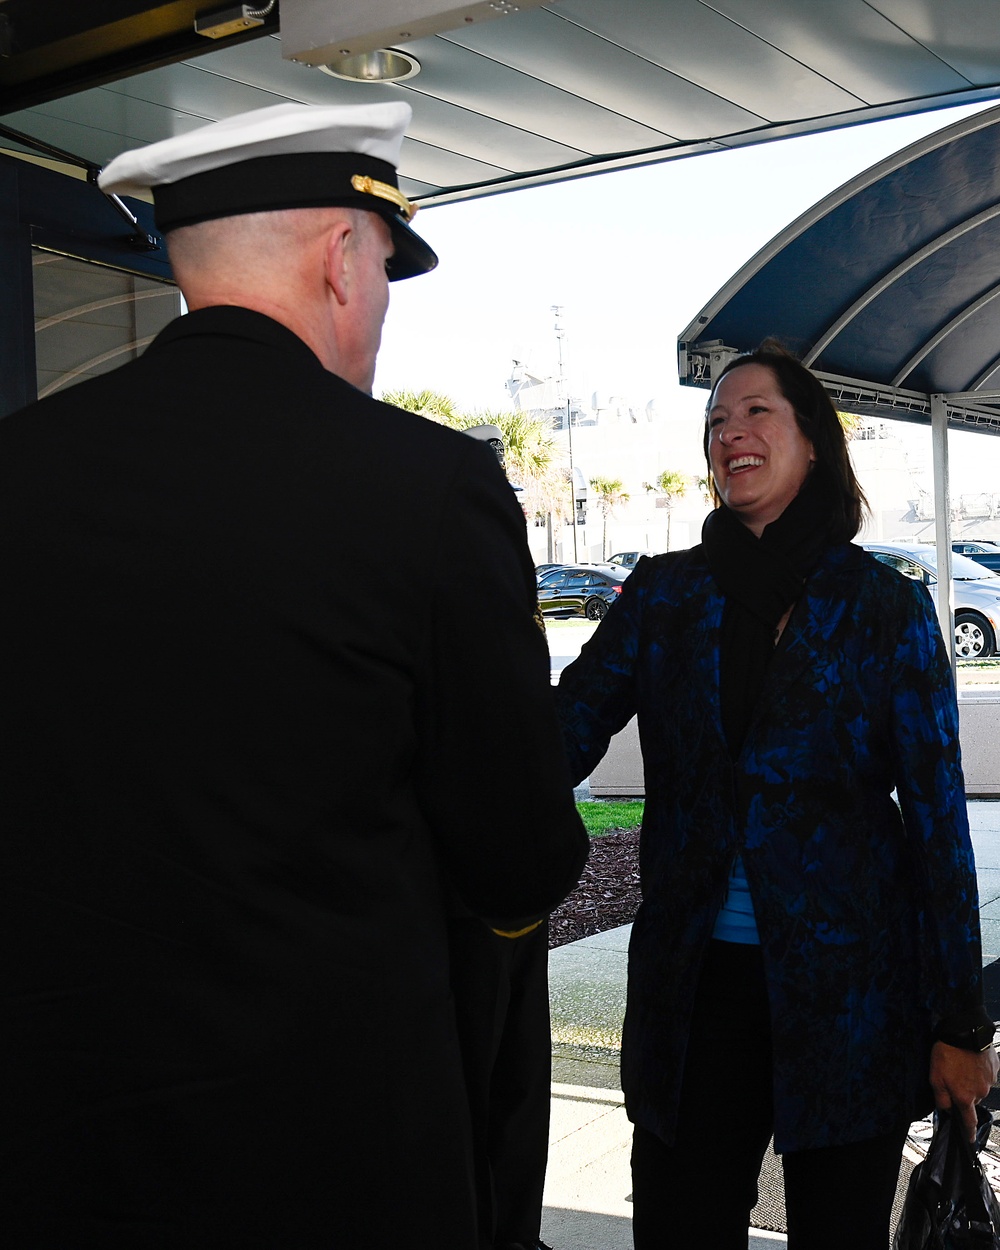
(868,915)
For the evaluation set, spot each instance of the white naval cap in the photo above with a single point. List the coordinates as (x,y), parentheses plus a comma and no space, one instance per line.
(286,156)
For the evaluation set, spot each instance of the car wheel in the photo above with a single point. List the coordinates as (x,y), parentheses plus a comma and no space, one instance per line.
(973,637)
(596,609)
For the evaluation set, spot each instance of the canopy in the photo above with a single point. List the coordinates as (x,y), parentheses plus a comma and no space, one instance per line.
(889,288)
(542,92)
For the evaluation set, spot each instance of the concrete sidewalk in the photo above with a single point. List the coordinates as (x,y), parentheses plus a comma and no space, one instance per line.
(588,1185)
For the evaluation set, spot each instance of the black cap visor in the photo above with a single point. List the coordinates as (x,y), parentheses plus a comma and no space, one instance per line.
(412,255)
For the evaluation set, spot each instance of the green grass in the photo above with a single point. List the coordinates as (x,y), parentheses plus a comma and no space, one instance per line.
(601,818)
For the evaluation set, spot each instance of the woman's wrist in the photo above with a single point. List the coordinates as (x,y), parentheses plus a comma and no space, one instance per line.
(971,1031)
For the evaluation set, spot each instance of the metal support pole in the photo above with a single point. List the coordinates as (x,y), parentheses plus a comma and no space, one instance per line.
(572,479)
(557,309)
(942,523)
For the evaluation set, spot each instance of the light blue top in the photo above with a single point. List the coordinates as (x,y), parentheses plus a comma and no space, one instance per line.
(735,921)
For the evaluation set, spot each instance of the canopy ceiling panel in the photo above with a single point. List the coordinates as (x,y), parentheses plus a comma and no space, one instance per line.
(552,49)
(562,90)
(853,44)
(893,280)
(959,32)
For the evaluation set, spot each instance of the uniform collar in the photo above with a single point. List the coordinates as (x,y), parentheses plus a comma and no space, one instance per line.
(230,321)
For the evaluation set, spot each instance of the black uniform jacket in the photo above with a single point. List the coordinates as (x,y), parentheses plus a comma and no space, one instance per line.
(269,678)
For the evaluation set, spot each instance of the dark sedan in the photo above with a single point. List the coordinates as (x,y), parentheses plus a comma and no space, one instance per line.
(580,590)
(983,550)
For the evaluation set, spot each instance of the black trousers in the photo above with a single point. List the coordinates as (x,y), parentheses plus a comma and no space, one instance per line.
(502,1007)
(701,1191)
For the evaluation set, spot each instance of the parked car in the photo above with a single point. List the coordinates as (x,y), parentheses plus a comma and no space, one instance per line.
(542,569)
(581,590)
(977,593)
(983,550)
(629,559)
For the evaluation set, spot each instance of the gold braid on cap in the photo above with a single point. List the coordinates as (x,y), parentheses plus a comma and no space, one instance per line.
(369,186)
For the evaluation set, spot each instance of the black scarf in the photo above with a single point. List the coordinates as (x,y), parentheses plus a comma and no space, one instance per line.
(761,579)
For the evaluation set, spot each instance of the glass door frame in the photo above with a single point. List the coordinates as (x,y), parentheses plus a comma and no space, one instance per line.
(41,208)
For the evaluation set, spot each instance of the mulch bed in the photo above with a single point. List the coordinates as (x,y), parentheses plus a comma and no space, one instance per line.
(608,893)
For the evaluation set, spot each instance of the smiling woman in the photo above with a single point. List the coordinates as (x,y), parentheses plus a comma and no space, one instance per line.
(785,683)
(758,455)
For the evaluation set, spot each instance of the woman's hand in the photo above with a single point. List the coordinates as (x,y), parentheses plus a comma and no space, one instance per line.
(961,1078)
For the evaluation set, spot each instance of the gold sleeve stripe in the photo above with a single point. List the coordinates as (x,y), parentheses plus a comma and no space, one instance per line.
(516,933)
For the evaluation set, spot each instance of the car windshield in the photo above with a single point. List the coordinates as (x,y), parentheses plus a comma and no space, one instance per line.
(963,568)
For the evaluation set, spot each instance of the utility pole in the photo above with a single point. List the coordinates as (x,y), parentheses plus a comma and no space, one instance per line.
(560,332)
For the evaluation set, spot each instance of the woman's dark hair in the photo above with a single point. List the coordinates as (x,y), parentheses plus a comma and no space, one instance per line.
(819,422)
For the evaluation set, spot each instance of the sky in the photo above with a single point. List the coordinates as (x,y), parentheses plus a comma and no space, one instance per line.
(631,257)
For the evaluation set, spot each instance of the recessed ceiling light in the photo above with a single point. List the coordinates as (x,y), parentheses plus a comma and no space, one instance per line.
(382,65)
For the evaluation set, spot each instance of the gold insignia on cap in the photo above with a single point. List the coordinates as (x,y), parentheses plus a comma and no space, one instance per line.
(370,186)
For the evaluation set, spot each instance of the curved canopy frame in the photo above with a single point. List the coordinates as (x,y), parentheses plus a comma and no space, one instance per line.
(891,281)
(889,289)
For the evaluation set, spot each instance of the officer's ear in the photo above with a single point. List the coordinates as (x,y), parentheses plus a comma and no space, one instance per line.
(338,256)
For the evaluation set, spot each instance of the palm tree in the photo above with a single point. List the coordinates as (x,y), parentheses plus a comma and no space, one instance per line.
(851,422)
(610,494)
(672,486)
(529,448)
(530,452)
(432,404)
(532,458)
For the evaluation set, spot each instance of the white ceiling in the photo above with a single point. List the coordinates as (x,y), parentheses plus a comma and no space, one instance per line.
(579,86)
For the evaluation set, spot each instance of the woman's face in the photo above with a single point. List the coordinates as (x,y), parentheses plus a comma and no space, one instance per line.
(758,454)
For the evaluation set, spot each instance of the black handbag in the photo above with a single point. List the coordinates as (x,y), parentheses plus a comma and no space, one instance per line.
(949,1203)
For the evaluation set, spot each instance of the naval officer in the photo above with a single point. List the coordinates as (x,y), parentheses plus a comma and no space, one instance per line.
(241,766)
